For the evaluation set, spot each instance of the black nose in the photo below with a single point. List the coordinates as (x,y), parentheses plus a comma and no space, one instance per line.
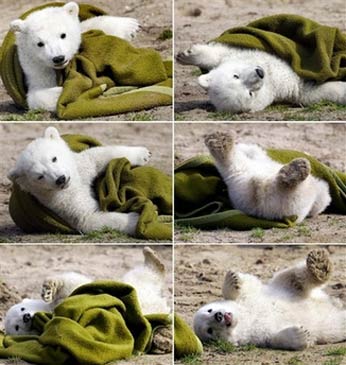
(26,317)
(58,59)
(260,72)
(218,316)
(61,180)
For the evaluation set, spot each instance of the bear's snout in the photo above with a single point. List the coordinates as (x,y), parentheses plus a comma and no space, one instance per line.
(60,180)
(58,59)
(26,317)
(260,72)
(218,316)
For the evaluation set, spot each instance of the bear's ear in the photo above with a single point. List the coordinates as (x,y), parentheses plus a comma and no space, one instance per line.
(51,133)
(14,174)
(204,80)
(17,25)
(71,8)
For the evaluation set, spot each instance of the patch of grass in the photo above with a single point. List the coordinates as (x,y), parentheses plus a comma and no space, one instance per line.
(285,237)
(323,106)
(335,361)
(143,117)
(257,233)
(192,359)
(31,115)
(166,34)
(196,72)
(304,230)
(179,117)
(222,116)
(222,346)
(295,361)
(186,233)
(108,233)
(340,351)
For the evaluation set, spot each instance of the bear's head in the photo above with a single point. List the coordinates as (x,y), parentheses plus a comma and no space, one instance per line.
(237,87)
(50,36)
(18,319)
(215,321)
(47,164)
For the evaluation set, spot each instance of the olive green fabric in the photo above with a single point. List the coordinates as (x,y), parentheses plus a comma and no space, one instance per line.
(315,51)
(144,190)
(100,322)
(185,341)
(201,197)
(107,76)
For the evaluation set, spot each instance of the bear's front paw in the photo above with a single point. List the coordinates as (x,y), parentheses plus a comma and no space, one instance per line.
(142,156)
(190,56)
(49,290)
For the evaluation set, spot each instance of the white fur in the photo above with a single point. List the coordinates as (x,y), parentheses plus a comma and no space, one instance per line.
(48,159)
(46,27)
(233,84)
(251,177)
(273,314)
(18,319)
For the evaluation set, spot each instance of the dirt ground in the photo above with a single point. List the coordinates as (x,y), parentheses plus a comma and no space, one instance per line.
(154,16)
(202,20)
(14,138)
(199,272)
(99,262)
(325,141)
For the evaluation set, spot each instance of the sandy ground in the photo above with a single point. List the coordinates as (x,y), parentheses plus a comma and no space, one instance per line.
(14,138)
(102,262)
(202,20)
(154,16)
(199,272)
(325,141)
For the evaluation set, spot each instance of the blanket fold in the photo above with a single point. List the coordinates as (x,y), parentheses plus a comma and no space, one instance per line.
(100,322)
(201,197)
(316,52)
(144,190)
(107,76)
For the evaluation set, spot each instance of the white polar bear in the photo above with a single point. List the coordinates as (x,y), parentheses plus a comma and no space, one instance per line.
(264,188)
(291,312)
(148,280)
(62,180)
(48,39)
(248,80)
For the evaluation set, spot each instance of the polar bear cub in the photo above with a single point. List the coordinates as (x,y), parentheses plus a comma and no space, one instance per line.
(48,39)
(61,180)
(290,312)
(248,80)
(264,188)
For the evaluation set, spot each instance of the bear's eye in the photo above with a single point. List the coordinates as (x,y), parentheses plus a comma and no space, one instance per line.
(209,310)
(17,328)
(251,93)
(236,76)
(63,36)
(40,177)
(22,309)
(40,44)
(210,331)
(54,159)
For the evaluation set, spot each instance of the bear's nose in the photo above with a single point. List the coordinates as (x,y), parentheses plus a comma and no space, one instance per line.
(260,72)
(218,316)
(61,180)
(26,317)
(58,59)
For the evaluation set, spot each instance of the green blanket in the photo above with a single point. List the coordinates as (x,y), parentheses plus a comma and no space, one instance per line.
(100,322)
(144,190)
(108,75)
(316,52)
(201,197)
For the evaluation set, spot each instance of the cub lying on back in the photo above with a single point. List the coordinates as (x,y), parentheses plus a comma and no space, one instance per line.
(247,80)
(264,188)
(48,39)
(290,312)
(61,180)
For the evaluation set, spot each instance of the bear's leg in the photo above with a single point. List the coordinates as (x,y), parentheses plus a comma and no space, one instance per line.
(301,279)
(293,173)
(220,146)
(291,338)
(50,288)
(45,99)
(334,91)
(205,56)
(153,261)
(236,285)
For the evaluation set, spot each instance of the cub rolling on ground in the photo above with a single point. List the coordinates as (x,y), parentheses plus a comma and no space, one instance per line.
(48,39)
(246,80)
(264,188)
(148,279)
(290,312)
(61,180)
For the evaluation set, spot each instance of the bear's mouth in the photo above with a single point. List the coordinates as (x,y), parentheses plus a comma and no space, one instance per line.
(62,65)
